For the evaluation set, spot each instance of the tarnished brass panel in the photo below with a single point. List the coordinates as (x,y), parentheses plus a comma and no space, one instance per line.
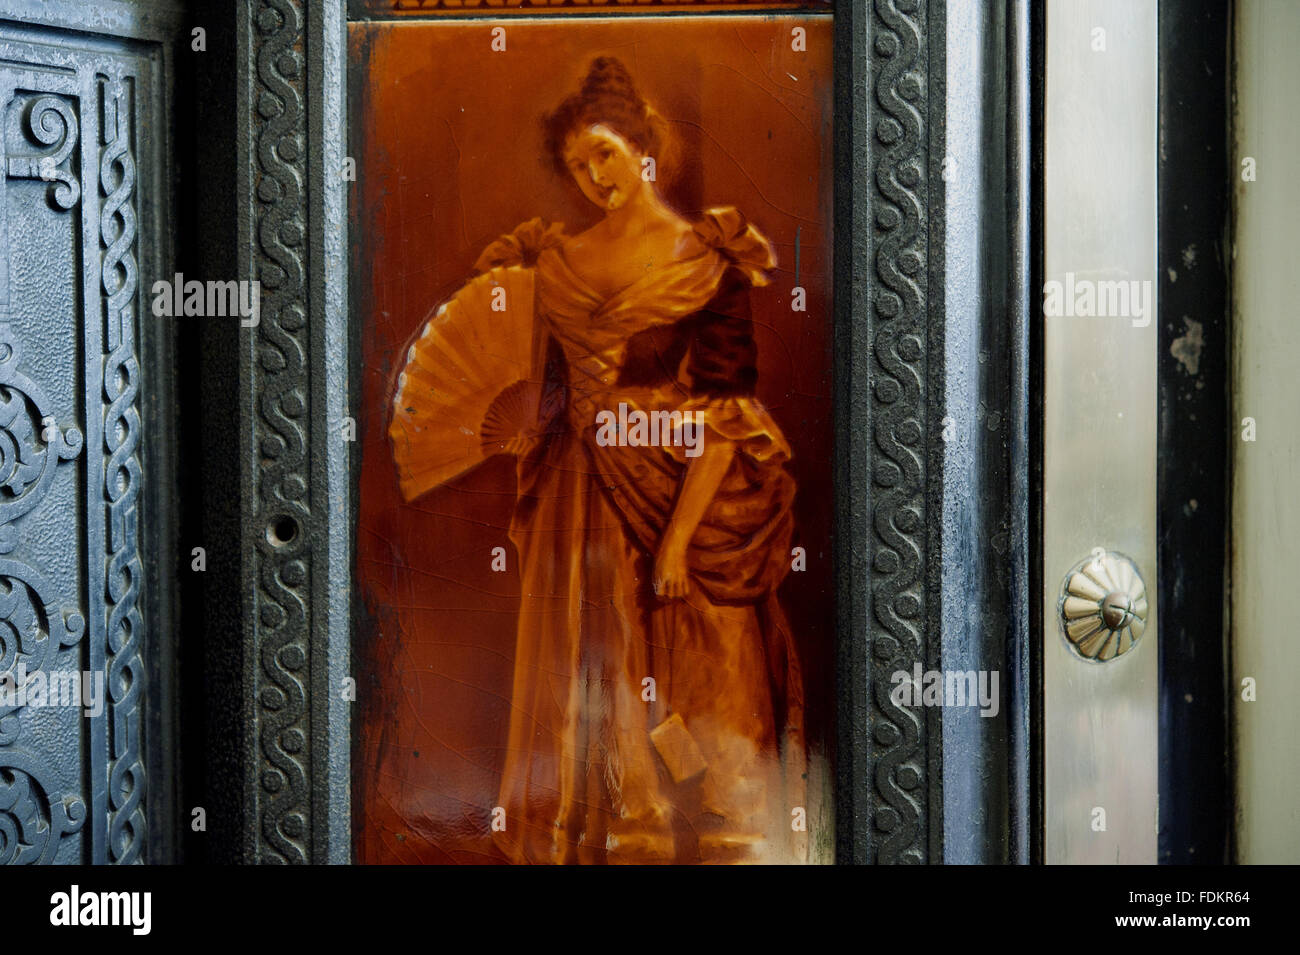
(1099,477)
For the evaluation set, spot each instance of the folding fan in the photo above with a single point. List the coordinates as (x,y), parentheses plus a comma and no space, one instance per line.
(478,346)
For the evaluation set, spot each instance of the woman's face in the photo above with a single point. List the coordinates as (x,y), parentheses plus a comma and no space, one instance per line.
(606,166)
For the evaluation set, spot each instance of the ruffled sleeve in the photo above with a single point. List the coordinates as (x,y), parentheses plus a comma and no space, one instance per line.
(722,365)
(742,420)
(522,246)
(725,229)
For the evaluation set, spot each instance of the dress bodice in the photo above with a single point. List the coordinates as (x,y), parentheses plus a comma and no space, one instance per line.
(679,338)
(695,307)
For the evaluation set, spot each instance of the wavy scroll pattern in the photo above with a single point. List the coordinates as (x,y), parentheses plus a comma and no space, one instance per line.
(34,813)
(126,779)
(281,386)
(898,351)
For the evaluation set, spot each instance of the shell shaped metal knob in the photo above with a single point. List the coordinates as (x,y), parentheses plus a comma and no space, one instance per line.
(1103,606)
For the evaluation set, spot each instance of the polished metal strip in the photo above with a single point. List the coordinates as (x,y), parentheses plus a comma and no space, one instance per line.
(1099,433)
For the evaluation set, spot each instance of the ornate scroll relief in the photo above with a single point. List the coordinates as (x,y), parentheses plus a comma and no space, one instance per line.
(51,122)
(282,386)
(34,813)
(902,736)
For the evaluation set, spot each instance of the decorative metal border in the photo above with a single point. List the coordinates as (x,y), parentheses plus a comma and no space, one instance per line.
(121,428)
(905,740)
(296,526)
(889,346)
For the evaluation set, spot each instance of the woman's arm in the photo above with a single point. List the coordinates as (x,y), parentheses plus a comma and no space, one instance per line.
(703,476)
(723,363)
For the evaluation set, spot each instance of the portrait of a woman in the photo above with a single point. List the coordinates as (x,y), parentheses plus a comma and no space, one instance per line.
(656,714)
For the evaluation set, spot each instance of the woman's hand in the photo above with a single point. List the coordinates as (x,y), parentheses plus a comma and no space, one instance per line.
(699,484)
(672,581)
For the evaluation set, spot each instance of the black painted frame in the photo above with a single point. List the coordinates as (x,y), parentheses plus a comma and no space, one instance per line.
(1194,177)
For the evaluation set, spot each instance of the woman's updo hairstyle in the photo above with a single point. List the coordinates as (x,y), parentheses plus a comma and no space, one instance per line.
(608,97)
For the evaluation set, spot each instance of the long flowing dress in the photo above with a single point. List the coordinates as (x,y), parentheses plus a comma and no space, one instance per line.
(642,729)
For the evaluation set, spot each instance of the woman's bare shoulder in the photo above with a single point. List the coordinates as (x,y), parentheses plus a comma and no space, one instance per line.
(678,237)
